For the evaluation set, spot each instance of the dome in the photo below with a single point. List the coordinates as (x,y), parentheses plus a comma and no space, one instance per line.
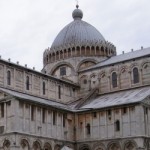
(77,33)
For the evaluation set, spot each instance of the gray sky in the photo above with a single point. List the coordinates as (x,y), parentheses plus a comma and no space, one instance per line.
(27,27)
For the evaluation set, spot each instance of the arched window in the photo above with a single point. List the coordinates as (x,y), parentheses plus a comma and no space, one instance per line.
(47,146)
(24,145)
(36,146)
(43,88)
(27,83)
(8,78)
(114,79)
(88,127)
(117,125)
(135,75)
(6,145)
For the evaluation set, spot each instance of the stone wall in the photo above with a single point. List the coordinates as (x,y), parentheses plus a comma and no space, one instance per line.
(101,78)
(18,81)
(133,121)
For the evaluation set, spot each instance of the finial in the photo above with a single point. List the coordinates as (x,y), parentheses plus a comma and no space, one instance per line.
(77,13)
(77,5)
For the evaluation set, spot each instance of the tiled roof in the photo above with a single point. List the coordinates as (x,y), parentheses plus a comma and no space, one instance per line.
(118,98)
(103,101)
(121,58)
(35,99)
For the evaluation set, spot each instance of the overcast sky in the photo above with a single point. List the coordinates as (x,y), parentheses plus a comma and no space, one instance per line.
(27,27)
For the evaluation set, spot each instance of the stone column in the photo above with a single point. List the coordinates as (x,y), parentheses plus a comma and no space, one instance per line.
(99,84)
(141,79)
(89,85)
(109,83)
(130,78)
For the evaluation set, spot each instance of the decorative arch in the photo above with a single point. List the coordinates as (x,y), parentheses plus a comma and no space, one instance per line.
(102,74)
(50,57)
(61,64)
(84,147)
(6,144)
(53,57)
(65,53)
(92,51)
(94,80)
(145,72)
(99,146)
(98,53)
(88,51)
(132,66)
(47,146)
(130,145)
(123,69)
(147,144)
(57,147)
(83,79)
(36,145)
(114,146)
(73,51)
(69,52)
(145,64)
(102,51)
(61,55)
(78,50)
(113,70)
(106,51)
(24,144)
(93,61)
(83,51)
(57,55)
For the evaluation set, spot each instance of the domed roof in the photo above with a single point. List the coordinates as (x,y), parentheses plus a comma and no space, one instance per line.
(77,33)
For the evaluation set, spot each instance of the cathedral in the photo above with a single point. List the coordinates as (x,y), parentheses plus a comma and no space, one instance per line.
(86,97)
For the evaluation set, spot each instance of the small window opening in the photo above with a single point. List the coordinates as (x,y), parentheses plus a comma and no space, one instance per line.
(109,112)
(32,113)
(94,114)
(43,88)
(146,110)
(64,120)
(117,125)
(124,110)
(88,127)
(62,71)
(2,110)
(27,83)
(54,118)
(8,78)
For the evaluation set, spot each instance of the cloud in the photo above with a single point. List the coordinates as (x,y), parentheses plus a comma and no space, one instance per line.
(28,27)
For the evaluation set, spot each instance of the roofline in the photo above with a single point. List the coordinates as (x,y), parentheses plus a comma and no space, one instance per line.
(37,72)
(107,107)
(98,67)
(69,109)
